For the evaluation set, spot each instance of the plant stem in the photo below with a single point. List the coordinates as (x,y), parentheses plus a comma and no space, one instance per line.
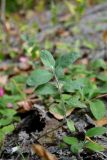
(48,132)
(60,94)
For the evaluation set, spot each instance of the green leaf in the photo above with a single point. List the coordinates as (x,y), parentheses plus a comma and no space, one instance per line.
(94,146)
(67,59)
(57,108)
(98,109)
(90,90)
(15,84)
(96,131)
(59,72)
(103,89)
(19,78)
(5,121)
(99,63)
(47,59)
(9,99)
(8,129)
(46,89)
(70,140)
(66,97)
(70,125)
(39,77)
(75,102)
(88,44)
(2,136)
(8,112)
(76,148)
(71,7)
(71,86)
(102,77)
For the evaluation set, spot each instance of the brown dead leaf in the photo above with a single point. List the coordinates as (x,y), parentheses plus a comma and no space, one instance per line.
(101,122)
(29,90)
(64,17)
(24,106)
(4,67)
(91,2)
(93,79)
(66,70)
(84,61)
(105,36)
(42,152)
(24,66)
(8,26)
(3,79)
(16,70)
(62,32)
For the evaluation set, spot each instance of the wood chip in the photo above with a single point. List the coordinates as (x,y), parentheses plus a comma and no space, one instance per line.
(42,152)
(101,122)
(105,36)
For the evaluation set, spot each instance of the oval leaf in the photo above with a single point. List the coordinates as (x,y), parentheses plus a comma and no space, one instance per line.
(47,59)
(98,109)
(96,131)
(94,146)
(67,59)
(8,129)
(70,125)
(70,140)
(47,89)
(57,111)
(39,77)
(76,148)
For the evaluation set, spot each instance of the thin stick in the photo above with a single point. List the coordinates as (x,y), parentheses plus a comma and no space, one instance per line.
(102,95)
(59,89)
(52,130)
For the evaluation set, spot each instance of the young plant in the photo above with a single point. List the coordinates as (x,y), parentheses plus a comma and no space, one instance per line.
(41,79)
(77,145)
(8,104)
(59,78)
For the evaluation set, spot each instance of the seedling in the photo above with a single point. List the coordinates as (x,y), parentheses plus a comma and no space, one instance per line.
(70,92)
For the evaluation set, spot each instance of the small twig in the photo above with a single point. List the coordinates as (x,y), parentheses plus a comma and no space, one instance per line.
(89,139)
(59,89)
(50,131)
(102,95)
(99,96)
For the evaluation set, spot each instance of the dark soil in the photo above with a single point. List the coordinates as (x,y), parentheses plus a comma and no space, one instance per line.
(26,134)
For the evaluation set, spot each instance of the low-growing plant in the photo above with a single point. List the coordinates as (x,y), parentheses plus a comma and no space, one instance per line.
(78,145)
(8,104)
(71,86)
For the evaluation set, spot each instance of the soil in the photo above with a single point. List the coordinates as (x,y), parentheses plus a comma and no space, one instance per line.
(25,135)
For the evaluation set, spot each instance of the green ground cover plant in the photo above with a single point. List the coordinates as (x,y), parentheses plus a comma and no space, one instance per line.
(70,91)
(70,85)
